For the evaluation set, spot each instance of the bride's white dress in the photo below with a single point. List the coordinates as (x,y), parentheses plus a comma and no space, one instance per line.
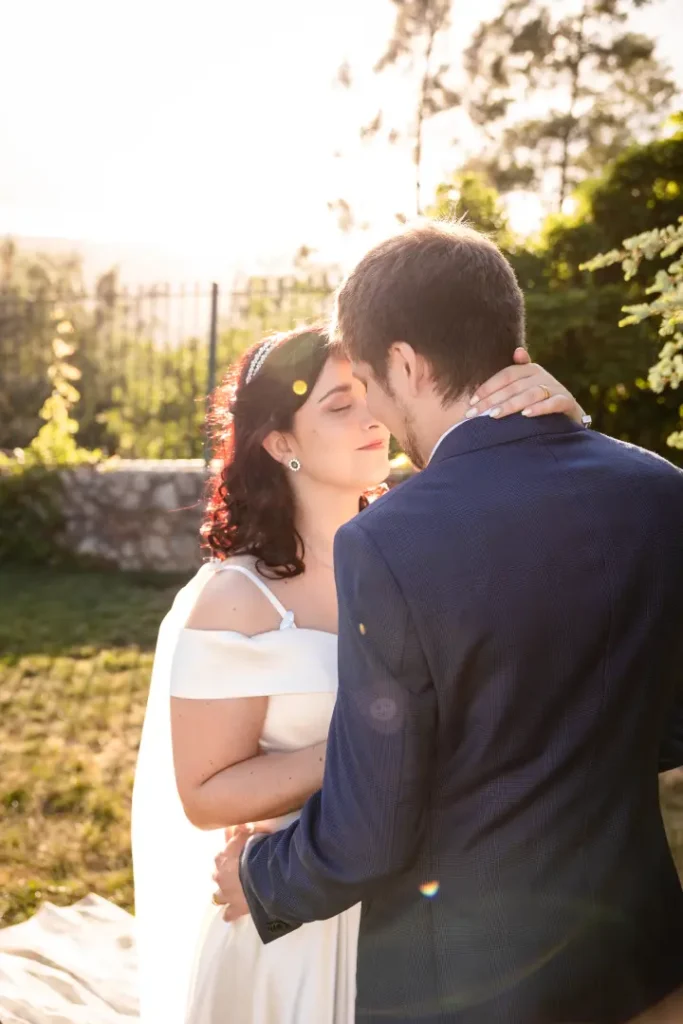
(195,968)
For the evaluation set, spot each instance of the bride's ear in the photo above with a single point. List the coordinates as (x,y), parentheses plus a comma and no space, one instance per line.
(278,447)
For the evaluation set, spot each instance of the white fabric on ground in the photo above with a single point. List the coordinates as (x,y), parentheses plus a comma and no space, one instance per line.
(70,965)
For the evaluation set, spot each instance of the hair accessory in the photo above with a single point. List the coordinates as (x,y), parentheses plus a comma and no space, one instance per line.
(259,359)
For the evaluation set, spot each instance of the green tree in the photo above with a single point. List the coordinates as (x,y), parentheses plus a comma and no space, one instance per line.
(418,27)
(469,197)
(605,85)
(572,314)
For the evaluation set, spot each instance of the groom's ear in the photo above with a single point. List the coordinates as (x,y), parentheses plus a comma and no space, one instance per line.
(407,369)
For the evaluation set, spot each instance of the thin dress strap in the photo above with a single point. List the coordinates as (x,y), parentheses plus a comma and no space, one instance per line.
(287,617)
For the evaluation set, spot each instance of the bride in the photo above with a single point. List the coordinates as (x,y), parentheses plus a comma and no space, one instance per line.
(245,677)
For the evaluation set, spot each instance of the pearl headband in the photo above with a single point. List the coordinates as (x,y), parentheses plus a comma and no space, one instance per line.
(259,359)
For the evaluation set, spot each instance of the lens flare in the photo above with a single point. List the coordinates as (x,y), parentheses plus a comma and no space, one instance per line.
(299,387)
(429,889)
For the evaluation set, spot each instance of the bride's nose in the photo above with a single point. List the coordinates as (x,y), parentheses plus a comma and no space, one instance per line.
(368,421)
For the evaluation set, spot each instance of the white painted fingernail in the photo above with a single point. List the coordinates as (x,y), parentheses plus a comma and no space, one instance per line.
(470,413)
(495,412)
(473,400)
(527,412)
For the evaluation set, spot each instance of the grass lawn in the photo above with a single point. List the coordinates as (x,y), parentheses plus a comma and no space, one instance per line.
(75,658)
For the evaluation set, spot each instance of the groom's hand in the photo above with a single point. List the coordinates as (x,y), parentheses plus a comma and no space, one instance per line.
(230,893)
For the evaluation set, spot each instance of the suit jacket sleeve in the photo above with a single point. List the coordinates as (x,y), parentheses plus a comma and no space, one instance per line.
(367,821)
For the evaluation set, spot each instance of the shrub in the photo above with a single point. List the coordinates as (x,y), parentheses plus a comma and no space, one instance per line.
(31,483)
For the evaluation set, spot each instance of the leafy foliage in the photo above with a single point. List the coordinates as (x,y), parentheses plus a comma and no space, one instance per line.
(572,314)
(667,304)
(30,484)
(32,523)
(55,443)
(607,84)
(31,286)
(469,197)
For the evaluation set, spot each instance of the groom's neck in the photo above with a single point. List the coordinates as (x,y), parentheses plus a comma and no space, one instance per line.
(438,420)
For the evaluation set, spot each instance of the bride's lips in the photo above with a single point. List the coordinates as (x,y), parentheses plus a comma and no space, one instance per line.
(373,446)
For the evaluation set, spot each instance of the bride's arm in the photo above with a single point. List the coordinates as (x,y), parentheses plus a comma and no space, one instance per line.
(221,776)
(222,780)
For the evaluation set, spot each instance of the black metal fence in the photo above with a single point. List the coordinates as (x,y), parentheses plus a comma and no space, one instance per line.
(147,357)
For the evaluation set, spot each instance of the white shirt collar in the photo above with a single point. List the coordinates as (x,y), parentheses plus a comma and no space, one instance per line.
(450,430)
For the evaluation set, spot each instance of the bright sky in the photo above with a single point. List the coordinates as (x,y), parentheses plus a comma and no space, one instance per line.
(210,126)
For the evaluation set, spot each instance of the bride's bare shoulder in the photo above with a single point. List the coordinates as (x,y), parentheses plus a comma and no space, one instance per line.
(232,602)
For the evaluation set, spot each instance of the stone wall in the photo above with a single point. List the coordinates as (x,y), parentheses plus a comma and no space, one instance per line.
(140,514)
(137,514)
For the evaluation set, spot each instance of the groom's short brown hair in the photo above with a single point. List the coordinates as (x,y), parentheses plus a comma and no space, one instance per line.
(446,290)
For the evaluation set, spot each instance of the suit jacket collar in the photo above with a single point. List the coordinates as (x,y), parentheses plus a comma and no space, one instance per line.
(484,432)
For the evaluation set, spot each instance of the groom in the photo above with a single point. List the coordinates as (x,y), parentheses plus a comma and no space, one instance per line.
(510,654)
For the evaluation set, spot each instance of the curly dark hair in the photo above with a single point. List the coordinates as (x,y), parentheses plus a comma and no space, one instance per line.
(250,508)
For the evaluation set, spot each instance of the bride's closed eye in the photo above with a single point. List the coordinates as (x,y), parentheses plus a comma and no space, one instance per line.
(341,408)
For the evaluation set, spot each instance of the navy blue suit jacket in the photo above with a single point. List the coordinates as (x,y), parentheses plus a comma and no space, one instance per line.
(510,656)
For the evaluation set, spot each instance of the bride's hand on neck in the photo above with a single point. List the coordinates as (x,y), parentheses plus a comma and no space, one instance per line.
(525,388)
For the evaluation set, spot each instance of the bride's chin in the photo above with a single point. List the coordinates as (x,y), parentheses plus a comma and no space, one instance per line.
(378,478)
(372,476)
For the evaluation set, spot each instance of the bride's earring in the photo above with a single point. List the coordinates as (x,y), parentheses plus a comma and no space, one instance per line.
(294,465)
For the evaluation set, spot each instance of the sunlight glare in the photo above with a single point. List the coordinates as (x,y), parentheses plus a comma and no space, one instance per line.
(525,212)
